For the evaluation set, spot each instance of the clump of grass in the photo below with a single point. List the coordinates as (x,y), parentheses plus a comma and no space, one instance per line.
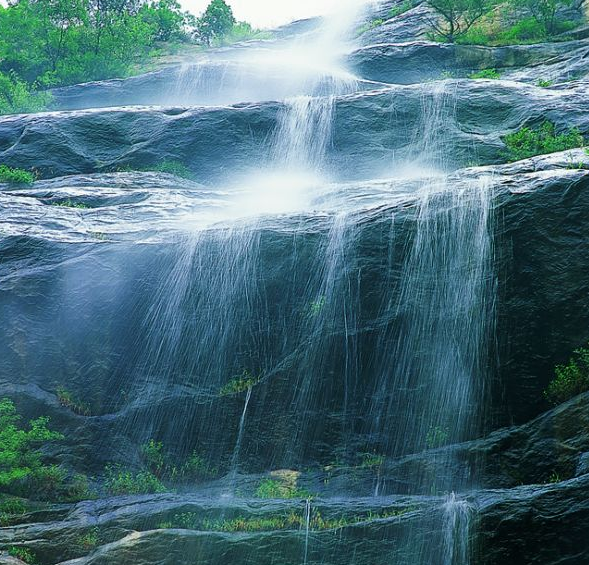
(12,510)
(400,9)
(120,481)
(173,168)
(544,83)
(16,176)
(88,541)
(193,468)
(570,379)
(491,74)
(69,203)
(68,400)
(283,485)
(280,521)
(239,384)
(529,142)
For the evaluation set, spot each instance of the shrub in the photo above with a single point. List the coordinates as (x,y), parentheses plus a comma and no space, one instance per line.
(23,553)
(239,384)
(123,482)
(65,397)
(15,176)
(486,73)
(544,83)
(570,379)
(400,9)
(280,488)
(17,97)
(21,468)
(528,142)
(544,13)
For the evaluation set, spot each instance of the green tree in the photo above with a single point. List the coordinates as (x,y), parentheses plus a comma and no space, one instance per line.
(456,17)
(216,22)
(545,12)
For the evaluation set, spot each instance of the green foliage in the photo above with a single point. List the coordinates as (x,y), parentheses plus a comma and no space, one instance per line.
(239,384)
(368,26)
(283,487)
(11,510)
(570,379)
(372,460)
(543,12)
(15,176)
(65,397)
(456,17)
(88,541)
(278,521)
(18,97)
(58,42)
(400,9)
(173,168)
(317,306)
(216,22)
(436,437)
(120,481)
(544,83)
(486,74)
(22,553)
(192,469)
(21,468)
(241,31)
(528,142)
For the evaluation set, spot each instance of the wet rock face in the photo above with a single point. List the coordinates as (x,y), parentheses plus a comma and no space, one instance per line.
(534,526)
(373,130)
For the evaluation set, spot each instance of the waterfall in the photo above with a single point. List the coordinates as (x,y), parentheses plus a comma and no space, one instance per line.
(456,547)
(237,449)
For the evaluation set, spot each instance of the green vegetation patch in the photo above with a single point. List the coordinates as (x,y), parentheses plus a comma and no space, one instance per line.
(15,176)
(22,553)
(281,521)
(492,74)
(570,379)
(67,399)
(22,470)
(529,142)
(240,384)
(121,481)
(283,484)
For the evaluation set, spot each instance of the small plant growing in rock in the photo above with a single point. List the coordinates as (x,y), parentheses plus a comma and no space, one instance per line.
(239,384)
(529,142)
(283,486)
(11,510)
(491,74)
(436,437)
(69,203)
(16,176)
(570,379)
(88,541)
(544,83)
(68,400)
(23,553)
(120,482)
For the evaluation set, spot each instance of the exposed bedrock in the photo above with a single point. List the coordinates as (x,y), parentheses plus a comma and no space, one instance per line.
(308,325)
(463,122)
(407,63)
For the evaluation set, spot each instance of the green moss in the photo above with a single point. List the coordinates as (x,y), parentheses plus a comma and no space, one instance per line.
(570,379)
(528,142)
(15,176)
(492,74)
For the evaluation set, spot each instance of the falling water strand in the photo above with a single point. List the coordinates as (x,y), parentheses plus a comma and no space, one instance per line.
(237,449)
(457,515)
(307,527)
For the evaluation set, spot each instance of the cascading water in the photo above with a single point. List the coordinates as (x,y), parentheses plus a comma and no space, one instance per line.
(223,326)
